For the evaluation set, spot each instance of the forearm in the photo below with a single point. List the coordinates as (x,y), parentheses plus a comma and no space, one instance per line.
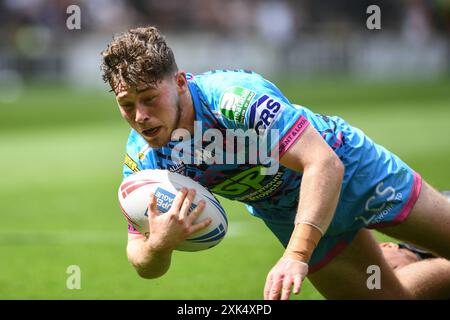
(148,261)
(319,192)
(321,183)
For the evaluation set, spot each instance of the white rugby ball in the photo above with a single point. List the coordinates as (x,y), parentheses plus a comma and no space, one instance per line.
(134,195)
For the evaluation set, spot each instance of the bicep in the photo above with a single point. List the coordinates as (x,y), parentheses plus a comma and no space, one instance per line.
(310,148)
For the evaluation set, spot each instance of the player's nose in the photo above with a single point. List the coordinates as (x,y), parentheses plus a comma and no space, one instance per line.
(141,115)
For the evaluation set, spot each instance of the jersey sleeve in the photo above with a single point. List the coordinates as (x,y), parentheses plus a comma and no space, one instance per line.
(245,100)
(272,115)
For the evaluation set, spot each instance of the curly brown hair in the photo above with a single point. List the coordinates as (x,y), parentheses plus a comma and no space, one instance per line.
(137,57)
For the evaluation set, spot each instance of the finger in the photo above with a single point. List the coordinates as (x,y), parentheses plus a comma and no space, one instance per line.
(275,290)
(184,211)
(199,226)
(178,201)
(297,284)
(152,206)
(286,289)
(267,286)
(196,212)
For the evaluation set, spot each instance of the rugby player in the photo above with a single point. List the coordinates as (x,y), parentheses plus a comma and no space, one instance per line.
(333,183)
(405,258)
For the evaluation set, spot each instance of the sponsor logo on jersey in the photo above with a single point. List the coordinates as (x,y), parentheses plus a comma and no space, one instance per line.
(250,179)
(249,185)
(130,163)
(293,133)
(234,103)
(263,113)
(380,204)
(179,167)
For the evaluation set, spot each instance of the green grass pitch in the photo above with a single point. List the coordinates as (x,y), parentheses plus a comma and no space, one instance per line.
(61,155)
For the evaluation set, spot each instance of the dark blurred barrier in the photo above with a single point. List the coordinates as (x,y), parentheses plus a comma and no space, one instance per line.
(297,37)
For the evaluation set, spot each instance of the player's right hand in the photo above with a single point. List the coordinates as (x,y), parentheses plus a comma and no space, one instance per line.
(168,230)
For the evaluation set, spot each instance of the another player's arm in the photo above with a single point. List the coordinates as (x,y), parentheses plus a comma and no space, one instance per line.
(321,183)
(151,256)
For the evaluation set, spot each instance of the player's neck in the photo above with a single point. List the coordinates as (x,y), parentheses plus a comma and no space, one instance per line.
(187,112)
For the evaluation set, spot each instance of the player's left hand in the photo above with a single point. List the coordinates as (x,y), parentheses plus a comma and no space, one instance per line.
(286,273)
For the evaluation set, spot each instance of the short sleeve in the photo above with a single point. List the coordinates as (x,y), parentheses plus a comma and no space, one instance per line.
(247,101)
(131,229)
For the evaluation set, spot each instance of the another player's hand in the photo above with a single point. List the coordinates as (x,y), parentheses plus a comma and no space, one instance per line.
(168,230)
(285,274)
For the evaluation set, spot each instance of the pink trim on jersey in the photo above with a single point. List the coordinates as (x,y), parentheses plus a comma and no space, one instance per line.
(338,140)
(132,230)
(341,245)
(292,135)
(407,208)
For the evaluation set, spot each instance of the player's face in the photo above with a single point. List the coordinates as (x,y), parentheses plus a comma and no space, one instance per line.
(153,112)
(397,257)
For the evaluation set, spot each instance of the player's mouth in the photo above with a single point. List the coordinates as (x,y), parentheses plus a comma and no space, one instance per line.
(150,133)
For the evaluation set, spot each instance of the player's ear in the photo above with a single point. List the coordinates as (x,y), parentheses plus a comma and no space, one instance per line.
(181,81)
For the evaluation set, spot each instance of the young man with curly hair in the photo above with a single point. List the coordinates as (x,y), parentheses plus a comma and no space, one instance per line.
(332,185)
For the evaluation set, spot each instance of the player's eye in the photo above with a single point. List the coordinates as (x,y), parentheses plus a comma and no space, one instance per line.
(148,100)
(127,106)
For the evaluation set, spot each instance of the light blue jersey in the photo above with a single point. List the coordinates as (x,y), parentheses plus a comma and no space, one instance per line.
(378,188)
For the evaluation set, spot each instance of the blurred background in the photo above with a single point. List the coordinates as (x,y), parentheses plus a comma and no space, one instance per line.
(62,140)
(302,38)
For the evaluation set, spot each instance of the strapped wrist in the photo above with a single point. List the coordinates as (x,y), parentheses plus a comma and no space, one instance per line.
(304,240)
